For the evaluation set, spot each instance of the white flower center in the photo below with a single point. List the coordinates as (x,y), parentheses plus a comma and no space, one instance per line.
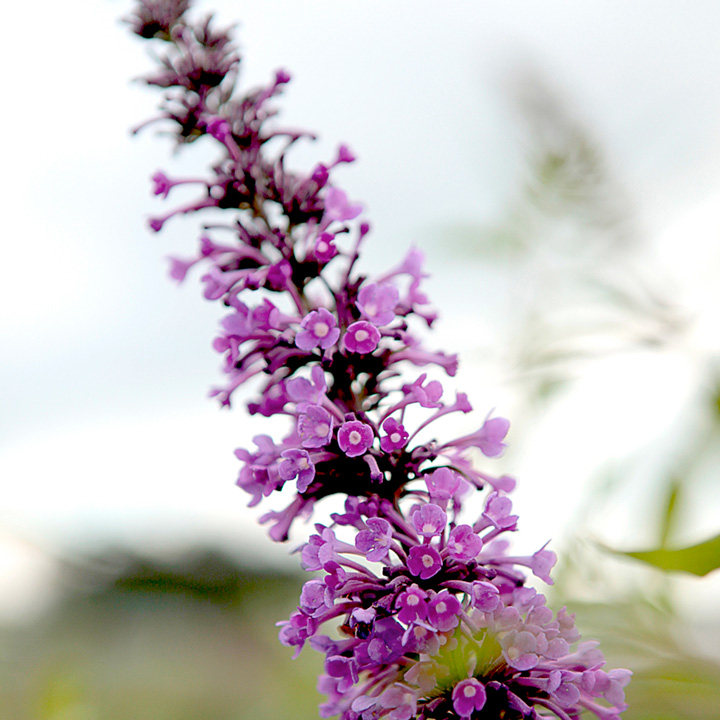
(371,309)
(441,607)
(321,329)
(321,429)
(354,437)
(303,464)
(413,600)
(322,247)
(361,335)
(420,632)
(428,561)
(395,437)
(469,691)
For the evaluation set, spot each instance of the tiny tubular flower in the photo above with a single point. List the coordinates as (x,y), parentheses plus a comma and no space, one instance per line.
(315,426)
(377,302)
(396,438)
(467,696)
(361,337)
(354,438)
(424,561)
(318,328)
(429,520)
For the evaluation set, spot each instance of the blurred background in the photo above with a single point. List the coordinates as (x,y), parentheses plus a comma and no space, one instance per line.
(559,165)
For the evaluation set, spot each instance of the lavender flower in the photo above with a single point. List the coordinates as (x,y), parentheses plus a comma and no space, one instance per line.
(447,627)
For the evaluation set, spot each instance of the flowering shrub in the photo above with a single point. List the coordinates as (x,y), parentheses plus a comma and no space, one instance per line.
(433,618)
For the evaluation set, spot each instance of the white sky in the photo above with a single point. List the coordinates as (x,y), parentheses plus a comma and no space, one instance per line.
(105,431)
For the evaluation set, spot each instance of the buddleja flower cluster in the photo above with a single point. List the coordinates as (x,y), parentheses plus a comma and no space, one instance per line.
(419,611)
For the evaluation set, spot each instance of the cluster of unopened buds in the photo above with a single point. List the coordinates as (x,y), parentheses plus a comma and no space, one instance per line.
(429,615)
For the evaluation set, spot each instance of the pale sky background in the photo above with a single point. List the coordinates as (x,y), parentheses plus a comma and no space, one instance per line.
(106,434)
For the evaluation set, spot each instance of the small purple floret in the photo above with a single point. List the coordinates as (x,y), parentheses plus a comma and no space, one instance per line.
(424,561)
(442,484)
(396,436)
(429,520)
(355,438)
(375,540)
(338,207)
(412,604)
(318,328)
(361,337)
(297,464)
(324,249)
(315,426)
(377,302)
(468,696)
(443,611)
(463,544)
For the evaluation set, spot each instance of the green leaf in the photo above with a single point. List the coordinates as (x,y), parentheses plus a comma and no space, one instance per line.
(697,559)
(669,516)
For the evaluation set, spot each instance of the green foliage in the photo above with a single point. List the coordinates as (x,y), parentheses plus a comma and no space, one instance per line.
(668,520)
(699,559)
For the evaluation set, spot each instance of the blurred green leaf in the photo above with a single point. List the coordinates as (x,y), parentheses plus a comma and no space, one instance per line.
(697,559)
(669,516)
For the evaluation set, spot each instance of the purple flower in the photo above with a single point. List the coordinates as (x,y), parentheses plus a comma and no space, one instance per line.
(279,275)
(297,630)
(161,184)
(345,155)
(342,668)
(375,540)
(179,268)
(297,464)
(463,544)
(319,328)
(519,649)
(398,702)
(427,395)
(324,249)
(498,509)
(424,561)
(396,436)
(300,389)
(444,611)
(361,337)
(338,207)
(468,696)
(312,596)
(354,438)
(377,302)
(442,484)
(386,643)
(429,520)
(542,563)
(321,549)
(315,426)
(485,596)
(219,128)
(489,438)
(412,605)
